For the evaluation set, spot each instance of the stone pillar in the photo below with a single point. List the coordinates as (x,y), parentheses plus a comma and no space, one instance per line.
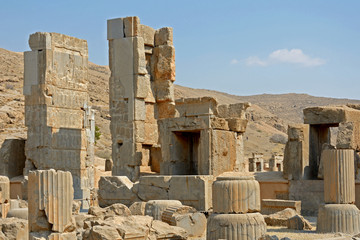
(50,204)
(339,214)
(142,64)
(4,196)
(296,154)
(236,203)
(60,124)
(339,181)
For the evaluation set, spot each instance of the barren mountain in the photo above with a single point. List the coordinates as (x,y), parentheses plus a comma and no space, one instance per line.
(268,116)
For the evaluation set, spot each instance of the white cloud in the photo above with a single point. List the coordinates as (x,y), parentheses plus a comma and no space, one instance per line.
(255,61)
(293,56)
(234,61)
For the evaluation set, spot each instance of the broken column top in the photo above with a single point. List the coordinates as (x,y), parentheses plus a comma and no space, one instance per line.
(331,115)
(45,40)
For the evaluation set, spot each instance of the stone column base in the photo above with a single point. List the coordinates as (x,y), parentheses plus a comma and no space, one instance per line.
(235,226)
(334,218)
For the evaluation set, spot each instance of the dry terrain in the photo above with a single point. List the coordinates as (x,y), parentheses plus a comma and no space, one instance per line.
(268,116)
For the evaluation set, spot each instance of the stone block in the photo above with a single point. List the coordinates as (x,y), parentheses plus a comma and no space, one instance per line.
(139,127)
(18,213)
(280,218)
(164,36)
(166,110)
(298,132)
(115,28)
(151,134)
(52,236)
(236,110)
(298,222)
(18,187)
(237,124)
(348,136)
(339,176)
(333,218)
(12,157)
(131,26)
(142,86)
(236,194)
(194,223)
(219,123)
(4,209)
(30,71)
(270,206)
(139,110)
(155,208)
(194,191)
(164,63)
(189,107)
(14,229)
(148,34)
(40,41)
(49,208)
(330,115)
(168,215)
(223,147)
(164,91)
(116,189)
(138,208)
(235,226)
(139,56)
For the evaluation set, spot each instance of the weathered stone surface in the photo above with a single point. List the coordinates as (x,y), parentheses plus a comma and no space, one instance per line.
(296,153)
(235,226)
(164,36)
(187,218)
(236,110)
(237,124)
(12,157)
(237,194)
(348,136)
(102,233)
(18,213)
(148,34)
(189,107)
(18,187)
(155,208)
(138,208)
(164,91)
(343,218)
(280,218)
(270,206)
(4,189)
(164,63)
(116,190)
(131,26)
(298,222)
(60,123)
(116,209)
(50,203)
(115,28)
(339,178)
(14,229)
(330,115)
(165,231)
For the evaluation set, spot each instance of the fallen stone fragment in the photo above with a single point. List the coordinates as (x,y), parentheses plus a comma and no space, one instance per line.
(298,222)
(280,218)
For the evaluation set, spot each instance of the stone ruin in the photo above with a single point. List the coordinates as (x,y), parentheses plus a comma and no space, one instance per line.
(58,117)
(165,153)
(153,133)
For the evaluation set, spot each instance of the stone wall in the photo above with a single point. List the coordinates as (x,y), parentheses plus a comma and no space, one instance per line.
(60,123)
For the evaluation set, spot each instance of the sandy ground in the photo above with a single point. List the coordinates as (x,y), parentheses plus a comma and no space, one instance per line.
(282,232)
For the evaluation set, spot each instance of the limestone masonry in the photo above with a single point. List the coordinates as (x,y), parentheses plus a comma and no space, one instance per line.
(178,169)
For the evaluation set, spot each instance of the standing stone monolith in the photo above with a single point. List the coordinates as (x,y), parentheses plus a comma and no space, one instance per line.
(59,120)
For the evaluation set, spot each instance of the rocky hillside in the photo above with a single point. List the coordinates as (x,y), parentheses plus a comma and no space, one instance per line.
(268,116)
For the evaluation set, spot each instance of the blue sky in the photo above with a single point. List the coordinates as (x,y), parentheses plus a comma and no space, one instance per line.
(238,47)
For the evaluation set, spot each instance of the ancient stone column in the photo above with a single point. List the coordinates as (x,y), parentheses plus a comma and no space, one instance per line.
(339,214)
(50,203)
(60,124)
(236,194)
(236,201)
(339,178)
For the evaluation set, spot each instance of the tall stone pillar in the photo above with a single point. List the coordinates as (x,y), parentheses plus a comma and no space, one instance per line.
(60,123)
(142,64)
(50,205)
(236,205)
(339,214)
